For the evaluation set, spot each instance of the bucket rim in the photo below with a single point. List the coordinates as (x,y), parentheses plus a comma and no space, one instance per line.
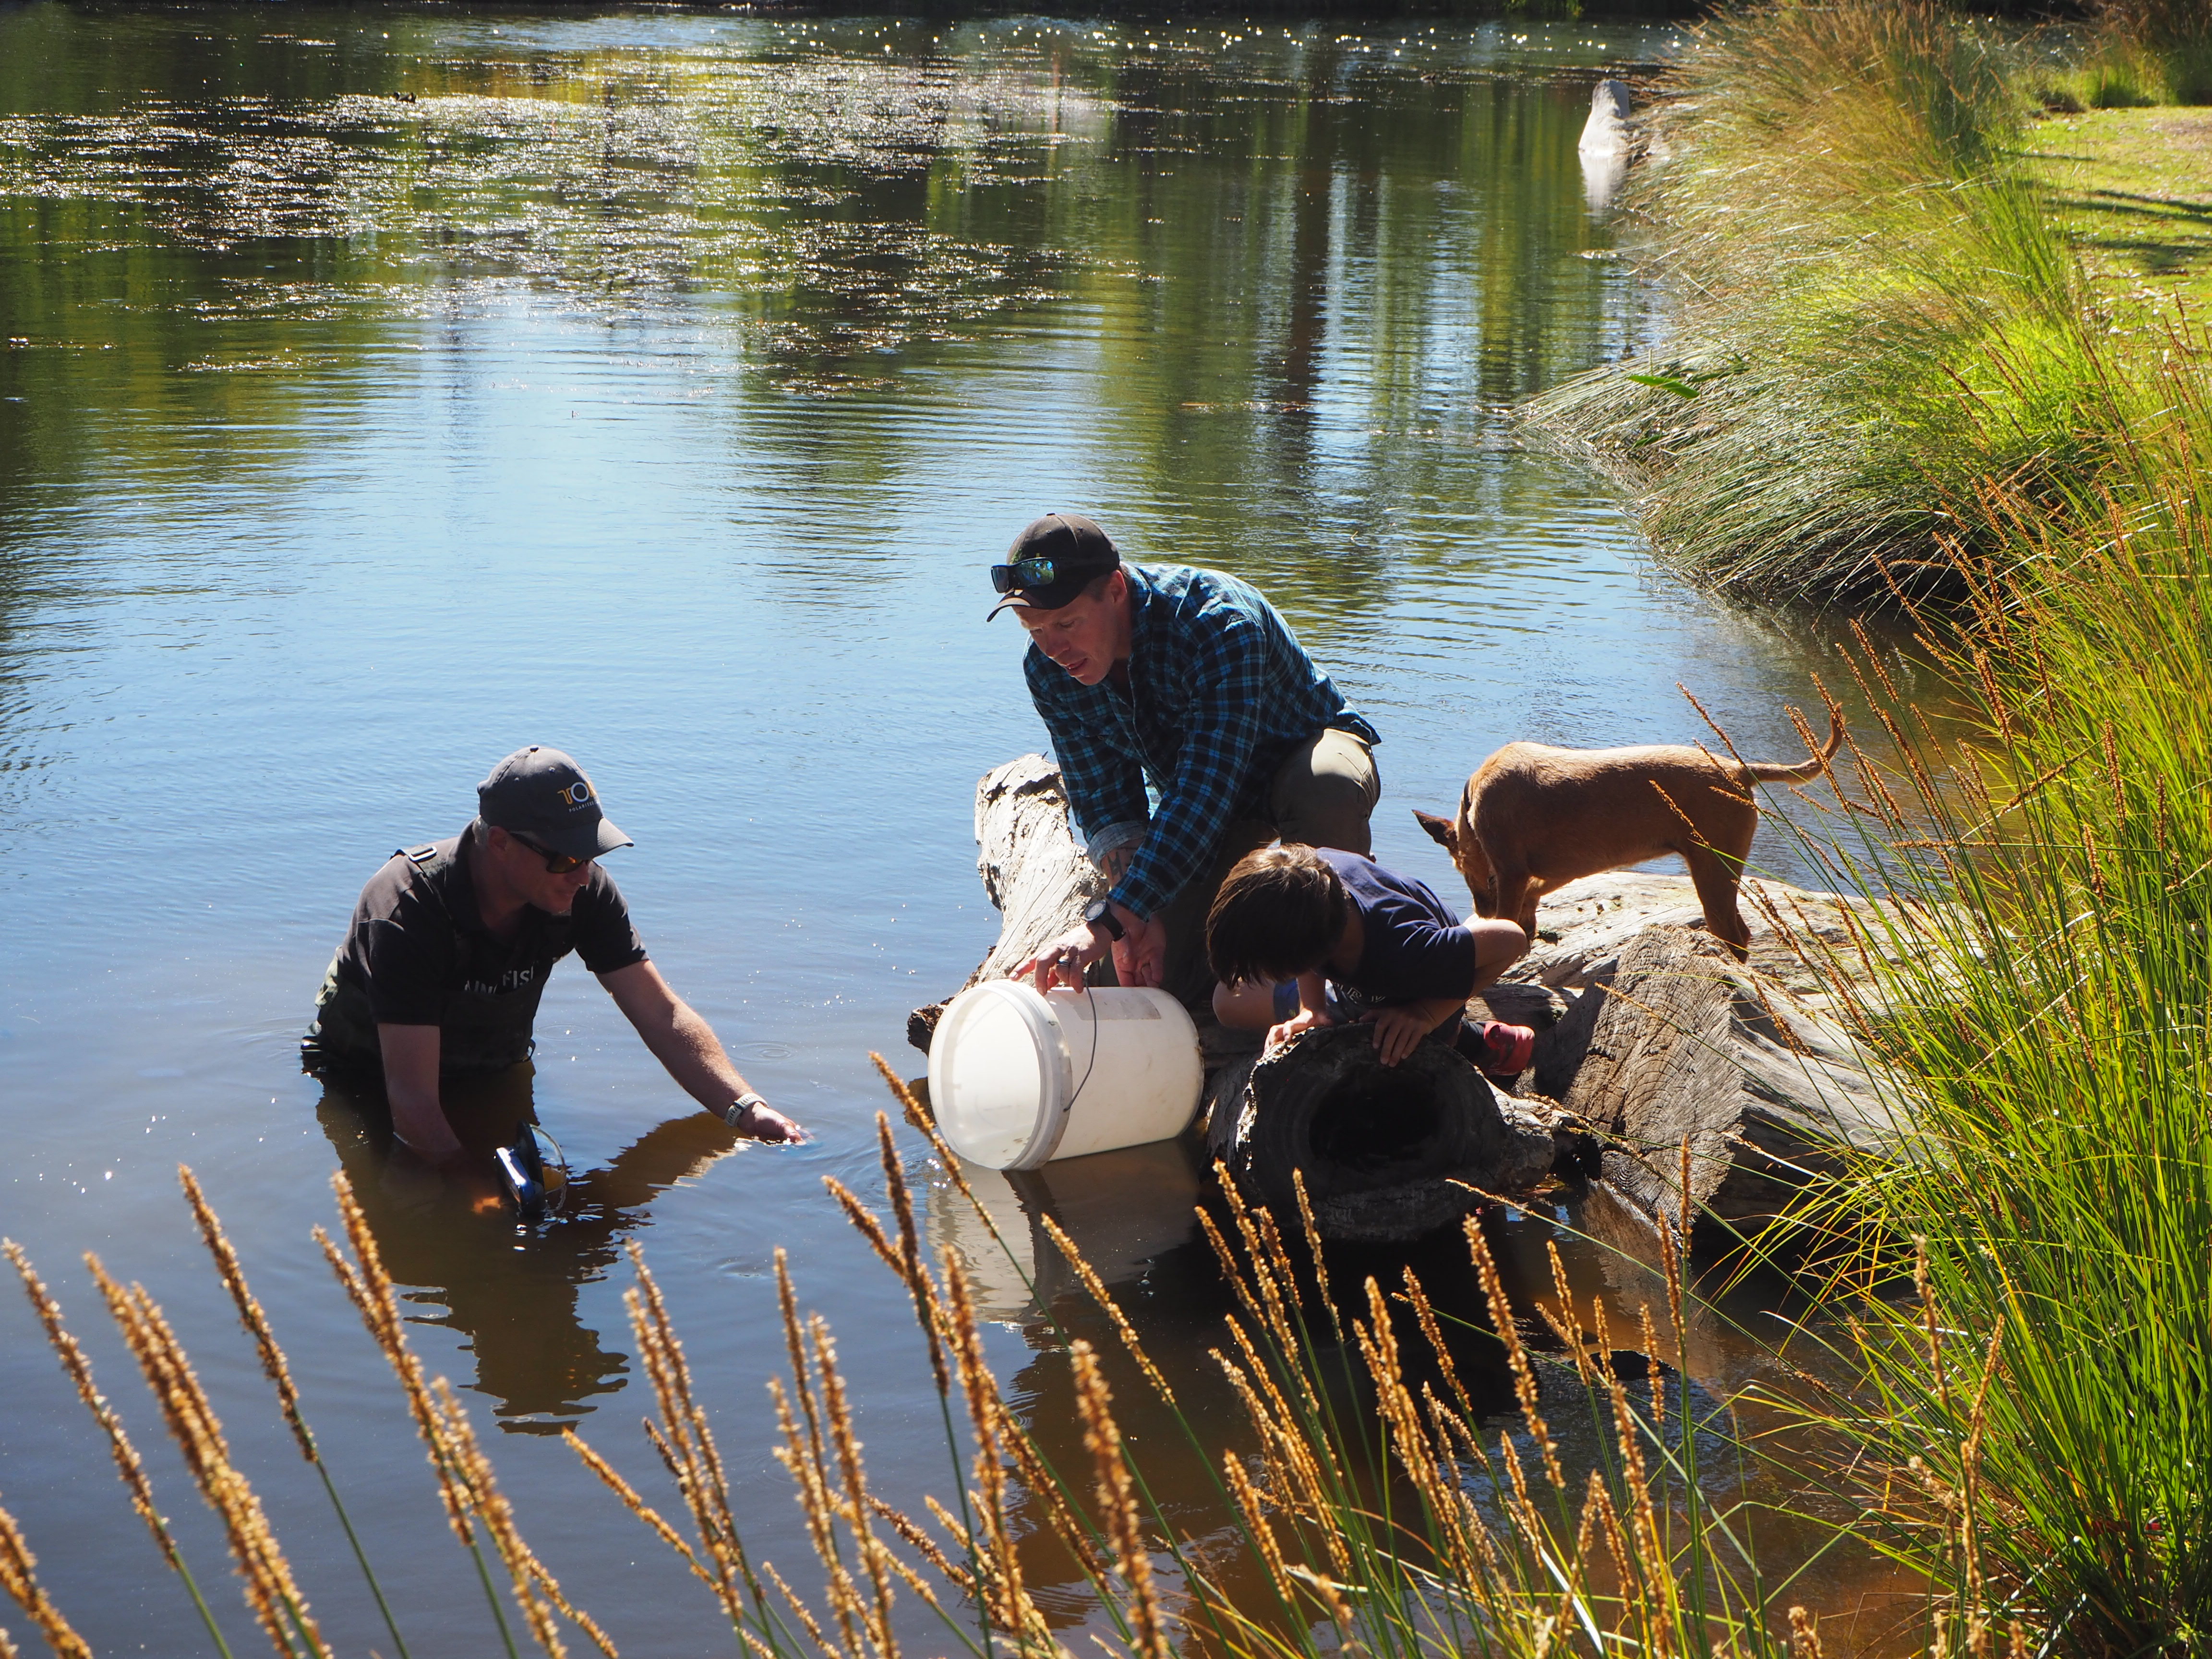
(1054,1101)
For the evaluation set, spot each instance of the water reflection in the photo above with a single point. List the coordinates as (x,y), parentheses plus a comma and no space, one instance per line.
(508,1288)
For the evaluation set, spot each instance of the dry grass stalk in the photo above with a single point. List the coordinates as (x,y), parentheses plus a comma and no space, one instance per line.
(250,1314)
(1096,1286)
(270,1590)
(687,1446)
(1516,1356)
(1314,1250)
(370,1289)
(20,1581)
(929,1311)
(635,1504)
(1117,1499)
(128,1465)
(535,1588)
(1255,1522)
(1006,1602)
(8,1649)
(1430,1328)
(838,1410)
(1067,1524)
(930,1551)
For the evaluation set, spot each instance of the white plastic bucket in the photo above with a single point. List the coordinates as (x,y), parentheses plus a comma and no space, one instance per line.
(1018,1079)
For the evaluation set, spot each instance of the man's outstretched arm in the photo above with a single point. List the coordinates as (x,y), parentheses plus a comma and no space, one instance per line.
(687,1046)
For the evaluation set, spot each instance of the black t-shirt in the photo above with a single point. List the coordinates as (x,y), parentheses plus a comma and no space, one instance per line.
(1415,946)
(419,954)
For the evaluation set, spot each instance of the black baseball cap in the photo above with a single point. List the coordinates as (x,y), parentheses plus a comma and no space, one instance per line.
(1072,548)
(542,793)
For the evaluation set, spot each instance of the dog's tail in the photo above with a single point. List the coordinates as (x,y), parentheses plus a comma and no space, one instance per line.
(1804,771)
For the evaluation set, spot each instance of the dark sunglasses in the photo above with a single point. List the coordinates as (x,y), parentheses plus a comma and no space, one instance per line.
(556,864)
(1023,572)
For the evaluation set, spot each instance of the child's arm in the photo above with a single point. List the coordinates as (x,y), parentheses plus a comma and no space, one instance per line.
(1313,1010)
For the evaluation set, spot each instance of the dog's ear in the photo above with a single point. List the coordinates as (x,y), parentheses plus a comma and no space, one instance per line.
(1443,831)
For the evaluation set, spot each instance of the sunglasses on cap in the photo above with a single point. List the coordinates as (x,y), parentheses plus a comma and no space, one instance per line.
(556,864)
(1023,572)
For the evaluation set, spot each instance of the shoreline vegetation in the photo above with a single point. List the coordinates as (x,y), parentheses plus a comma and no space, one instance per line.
(1896,378)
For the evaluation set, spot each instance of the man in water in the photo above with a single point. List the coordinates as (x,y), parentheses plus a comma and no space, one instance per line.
(1188,680)
(440,975)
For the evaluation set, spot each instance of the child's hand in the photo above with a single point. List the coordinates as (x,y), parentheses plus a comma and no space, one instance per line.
(1398,1031)
(1306,1020)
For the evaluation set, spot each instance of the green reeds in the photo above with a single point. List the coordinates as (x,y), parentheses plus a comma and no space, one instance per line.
(1875,313)
(2048,1032)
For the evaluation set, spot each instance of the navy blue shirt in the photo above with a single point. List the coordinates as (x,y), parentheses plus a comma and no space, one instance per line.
(1415,946)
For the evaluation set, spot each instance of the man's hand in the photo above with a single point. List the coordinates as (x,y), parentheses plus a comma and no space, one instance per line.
(1398,1031)
(764,1122)
(1306,1020)
(1062,961)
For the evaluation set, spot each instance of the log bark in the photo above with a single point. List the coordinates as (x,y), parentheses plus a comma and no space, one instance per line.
(1389,1153)
(1033,870)
(1673,1044)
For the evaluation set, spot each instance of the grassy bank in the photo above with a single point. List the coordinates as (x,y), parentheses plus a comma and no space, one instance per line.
(1880,306)
(1941,349)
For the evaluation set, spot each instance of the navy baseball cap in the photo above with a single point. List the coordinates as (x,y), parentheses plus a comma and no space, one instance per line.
(542,793)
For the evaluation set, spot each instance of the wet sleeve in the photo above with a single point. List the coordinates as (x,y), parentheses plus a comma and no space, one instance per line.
(1105,788)
(1210,768)
(605,938)
(411,960)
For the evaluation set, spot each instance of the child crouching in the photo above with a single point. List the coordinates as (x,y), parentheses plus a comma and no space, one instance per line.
(1307,936)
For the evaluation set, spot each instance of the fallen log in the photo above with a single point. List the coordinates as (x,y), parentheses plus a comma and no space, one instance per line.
(1649,1037)
(1670,1042)
(1389,1153)
(1033,869)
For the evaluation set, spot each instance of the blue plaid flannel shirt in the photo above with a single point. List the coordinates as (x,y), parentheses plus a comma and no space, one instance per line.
(1220,692)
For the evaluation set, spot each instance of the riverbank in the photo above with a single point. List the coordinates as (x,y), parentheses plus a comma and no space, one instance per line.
(1893,281)
(1940,350)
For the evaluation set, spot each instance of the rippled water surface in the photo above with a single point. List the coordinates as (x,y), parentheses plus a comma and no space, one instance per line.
(385,388)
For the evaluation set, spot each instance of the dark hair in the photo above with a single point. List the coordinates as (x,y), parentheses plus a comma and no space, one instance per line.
(1277,915)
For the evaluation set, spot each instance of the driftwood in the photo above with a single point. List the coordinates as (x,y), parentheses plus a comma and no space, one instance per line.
(1033,869)
(1667,1041)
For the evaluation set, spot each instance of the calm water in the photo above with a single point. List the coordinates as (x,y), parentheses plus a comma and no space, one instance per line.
(383,389)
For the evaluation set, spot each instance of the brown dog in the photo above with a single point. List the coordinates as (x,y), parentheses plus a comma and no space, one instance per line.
(1532,819)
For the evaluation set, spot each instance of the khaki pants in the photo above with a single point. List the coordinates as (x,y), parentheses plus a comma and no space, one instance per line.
(1323,795)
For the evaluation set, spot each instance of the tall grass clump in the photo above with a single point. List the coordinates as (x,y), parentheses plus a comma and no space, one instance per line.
(1874,314)
(2048,1367)
(2145,52)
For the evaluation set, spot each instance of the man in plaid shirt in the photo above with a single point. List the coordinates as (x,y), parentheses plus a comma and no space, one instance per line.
(1187,680)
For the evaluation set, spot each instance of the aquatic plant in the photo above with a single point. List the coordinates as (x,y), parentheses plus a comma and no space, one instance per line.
(2050,1365)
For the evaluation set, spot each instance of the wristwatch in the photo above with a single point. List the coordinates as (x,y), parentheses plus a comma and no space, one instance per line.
(1100,914)
(738,1111)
